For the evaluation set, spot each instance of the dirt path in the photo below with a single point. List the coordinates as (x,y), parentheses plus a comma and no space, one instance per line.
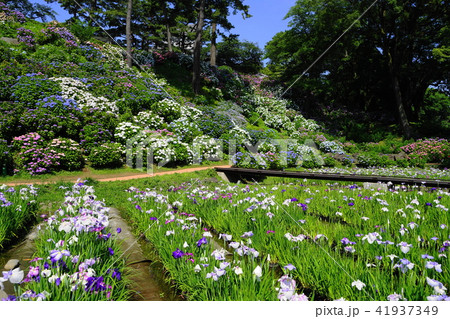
(118,178)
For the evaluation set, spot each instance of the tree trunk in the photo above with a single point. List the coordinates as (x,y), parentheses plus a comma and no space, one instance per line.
(128,33)
(197,48)
(169,38)
(213,51)
(403,118)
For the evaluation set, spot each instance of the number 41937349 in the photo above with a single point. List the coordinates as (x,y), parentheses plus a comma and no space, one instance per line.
(407,310)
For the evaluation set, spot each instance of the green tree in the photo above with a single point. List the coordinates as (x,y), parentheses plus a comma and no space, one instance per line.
(214,12)
(242,56)
(384,61)
(32,10)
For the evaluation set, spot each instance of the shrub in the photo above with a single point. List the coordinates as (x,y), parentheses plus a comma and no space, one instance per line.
(77,90)
(235,137)
(148,120)
(58,105)
(82,30)
(50,53)
(213,123)
(108,155)
(249,160)
(230,83)
(329,161)
(126,131)
(71,156)
(206,148)
(32,87)
(367,159)
(9,15)
(40,121)
(310,164)
(9,120)
(372,159)
(34,156)
(350,147)
(54,34)
(331,147)
(185,129)
(94,134)
(26,37)
(165,148)
(6,158)
(433,150)
(290,158)
(267,160)
(143,58)
(347,160)
(170,110)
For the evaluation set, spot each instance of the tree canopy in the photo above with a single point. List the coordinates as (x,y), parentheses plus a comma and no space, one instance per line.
(242,56)
(386,61)
(33,10)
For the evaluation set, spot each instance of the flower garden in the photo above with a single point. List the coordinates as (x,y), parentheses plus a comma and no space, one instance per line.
(68,105)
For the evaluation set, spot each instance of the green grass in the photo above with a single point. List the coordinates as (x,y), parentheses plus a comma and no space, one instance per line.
(93,173)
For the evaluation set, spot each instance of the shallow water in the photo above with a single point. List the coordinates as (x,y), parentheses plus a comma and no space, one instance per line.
(147,279)
(23,251)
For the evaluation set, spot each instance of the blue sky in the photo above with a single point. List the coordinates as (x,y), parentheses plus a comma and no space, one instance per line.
(266,21)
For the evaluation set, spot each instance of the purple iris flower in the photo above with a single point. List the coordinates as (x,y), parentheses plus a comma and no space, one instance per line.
(351,204)
(346,241)
(95,284)
(247,234)
(138,207)
(177,253)
(115,273)
(289,267)
(56,255)
(111,251)
(202,241)
(119,230)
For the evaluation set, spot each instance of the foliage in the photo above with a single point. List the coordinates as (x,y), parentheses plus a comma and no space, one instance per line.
(213,122)
(71,155)
(82,30)
(94,134)
(241,56)
(360,70)
(185,129)
(6,158)
(331,147)
(34,156)
(57,105)
(33,10)
(434,115)
(430,150)
(169,109)
(16,211)
(107,155)
(32,87)
(373,160)
(77,255)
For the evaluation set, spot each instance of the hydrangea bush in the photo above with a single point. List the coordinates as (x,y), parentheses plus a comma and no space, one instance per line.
(71,155)
(34,155)
(107,155)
